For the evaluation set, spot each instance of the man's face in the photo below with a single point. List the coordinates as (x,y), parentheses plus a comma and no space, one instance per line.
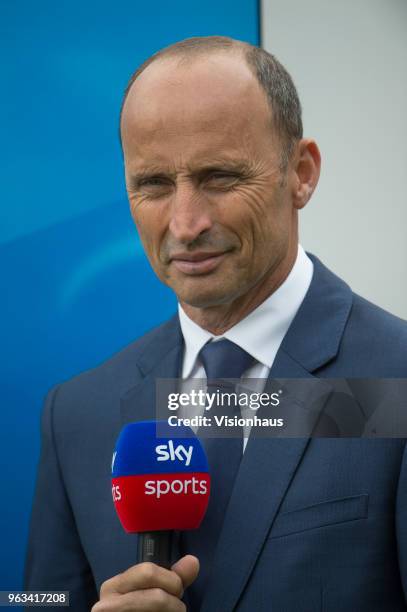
(203,176)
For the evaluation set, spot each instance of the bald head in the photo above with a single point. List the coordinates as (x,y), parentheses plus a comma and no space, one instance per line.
(193,97)
(271,77)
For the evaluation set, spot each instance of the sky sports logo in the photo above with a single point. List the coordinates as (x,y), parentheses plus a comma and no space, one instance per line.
(170,452)
(176,484)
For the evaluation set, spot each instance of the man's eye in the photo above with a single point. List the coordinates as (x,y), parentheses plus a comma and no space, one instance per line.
(154,181)
(222,177)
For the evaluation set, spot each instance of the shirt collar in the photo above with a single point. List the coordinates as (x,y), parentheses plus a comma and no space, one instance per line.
(262,331)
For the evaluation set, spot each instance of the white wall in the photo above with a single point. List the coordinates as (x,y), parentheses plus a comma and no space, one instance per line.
(348,60)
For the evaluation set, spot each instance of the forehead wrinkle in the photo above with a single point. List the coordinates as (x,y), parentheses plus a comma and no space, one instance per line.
(190,123)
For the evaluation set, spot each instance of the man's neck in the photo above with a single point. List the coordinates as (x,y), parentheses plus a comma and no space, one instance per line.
(219,318)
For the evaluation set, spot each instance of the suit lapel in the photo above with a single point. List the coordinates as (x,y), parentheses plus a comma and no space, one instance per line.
(162,360)
(269,465)
(139,404)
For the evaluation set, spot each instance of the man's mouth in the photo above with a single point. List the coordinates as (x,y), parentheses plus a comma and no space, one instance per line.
(199,262)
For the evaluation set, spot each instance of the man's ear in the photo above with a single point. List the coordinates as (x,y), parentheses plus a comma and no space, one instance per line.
(306,170)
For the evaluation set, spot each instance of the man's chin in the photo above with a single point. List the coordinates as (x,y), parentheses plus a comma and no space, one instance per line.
(206,299)
(206,291)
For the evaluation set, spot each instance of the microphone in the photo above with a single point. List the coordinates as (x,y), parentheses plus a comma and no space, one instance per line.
(160,483)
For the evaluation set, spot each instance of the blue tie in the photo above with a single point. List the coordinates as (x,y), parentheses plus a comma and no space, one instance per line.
(222,359)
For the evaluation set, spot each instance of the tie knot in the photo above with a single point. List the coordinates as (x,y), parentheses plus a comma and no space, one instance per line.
(224,359)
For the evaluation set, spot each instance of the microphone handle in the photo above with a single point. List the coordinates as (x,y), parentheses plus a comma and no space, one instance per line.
(155,546)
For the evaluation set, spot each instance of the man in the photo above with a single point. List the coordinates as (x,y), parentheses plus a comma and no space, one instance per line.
(216,171)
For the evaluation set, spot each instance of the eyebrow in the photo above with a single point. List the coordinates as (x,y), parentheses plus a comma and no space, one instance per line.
(230,165)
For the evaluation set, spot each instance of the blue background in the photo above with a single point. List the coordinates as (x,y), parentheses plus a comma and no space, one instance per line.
(75,286)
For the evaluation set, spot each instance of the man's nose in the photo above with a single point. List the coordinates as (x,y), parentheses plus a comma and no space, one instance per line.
(190,215)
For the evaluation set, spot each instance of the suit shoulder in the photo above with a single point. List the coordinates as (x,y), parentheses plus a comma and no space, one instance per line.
(371,316)
(119,372)
(375,340)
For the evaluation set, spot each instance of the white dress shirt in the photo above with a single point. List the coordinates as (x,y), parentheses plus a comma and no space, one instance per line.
(259,334)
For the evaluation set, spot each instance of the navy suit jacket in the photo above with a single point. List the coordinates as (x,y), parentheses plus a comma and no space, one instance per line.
(313,524)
